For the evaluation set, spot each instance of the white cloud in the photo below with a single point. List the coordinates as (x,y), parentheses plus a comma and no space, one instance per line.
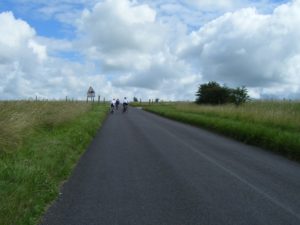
(131,43)
(213,5)
(249,48)
(19,53)
(18,44)
(119,33)
(26,70)
(151,49)
(164,68)
(39,50)
(10,36)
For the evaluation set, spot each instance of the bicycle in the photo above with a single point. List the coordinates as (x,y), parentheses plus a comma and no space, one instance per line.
(112,108)
(125,107)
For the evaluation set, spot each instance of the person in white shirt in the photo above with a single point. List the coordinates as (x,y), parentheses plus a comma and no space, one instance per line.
(125,104)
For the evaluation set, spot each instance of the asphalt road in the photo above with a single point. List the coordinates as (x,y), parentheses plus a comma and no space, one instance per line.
(146,170)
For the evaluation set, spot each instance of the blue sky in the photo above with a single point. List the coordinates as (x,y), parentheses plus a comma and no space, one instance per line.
(162,48)
(45,24)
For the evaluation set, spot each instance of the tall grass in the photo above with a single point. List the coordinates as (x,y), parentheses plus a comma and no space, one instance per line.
(277,114)
(18,119)
(274,125)
(40,144)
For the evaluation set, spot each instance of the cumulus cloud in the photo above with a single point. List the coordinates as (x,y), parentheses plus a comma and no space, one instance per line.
(249,48)
(219,4)
(19,54)
(119,32)
(151,49)
(164,68)
(129,41)
(26,69)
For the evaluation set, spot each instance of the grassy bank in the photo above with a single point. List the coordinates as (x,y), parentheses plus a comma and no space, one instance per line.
(40,142)
(269,124)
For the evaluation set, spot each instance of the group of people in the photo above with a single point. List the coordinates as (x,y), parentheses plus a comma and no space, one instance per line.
(115,104)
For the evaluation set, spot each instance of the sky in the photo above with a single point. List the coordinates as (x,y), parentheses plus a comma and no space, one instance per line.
(148,48)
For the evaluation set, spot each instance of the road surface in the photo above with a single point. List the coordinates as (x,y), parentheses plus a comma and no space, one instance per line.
(147,170)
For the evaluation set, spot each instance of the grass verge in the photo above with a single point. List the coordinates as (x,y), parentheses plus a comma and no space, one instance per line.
(32,172)
(252,124)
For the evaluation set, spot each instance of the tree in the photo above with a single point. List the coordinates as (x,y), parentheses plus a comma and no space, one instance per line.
(214,93)
(240,95)
(135,99)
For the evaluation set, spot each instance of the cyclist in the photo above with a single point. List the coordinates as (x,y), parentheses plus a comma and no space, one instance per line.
(112,105)
(125,104)
(117,104)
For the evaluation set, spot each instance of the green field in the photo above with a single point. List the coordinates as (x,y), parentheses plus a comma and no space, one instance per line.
(274,125)
(40,142)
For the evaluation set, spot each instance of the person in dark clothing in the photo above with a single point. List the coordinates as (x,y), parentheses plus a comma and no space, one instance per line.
(117,104)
